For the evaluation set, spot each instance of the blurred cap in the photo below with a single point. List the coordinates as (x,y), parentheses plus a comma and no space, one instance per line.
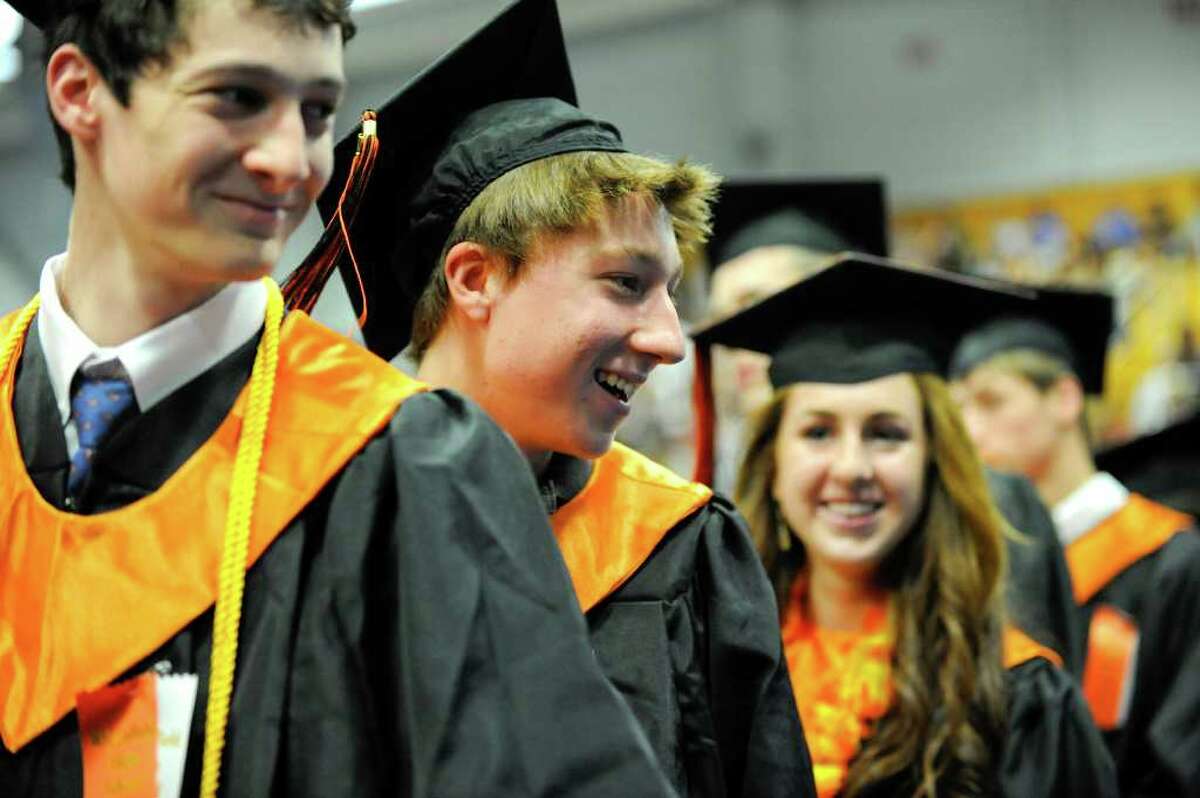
(822,215)
(1071,325)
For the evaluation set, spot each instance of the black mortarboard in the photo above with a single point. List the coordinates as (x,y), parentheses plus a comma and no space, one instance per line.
(862,318)
(1072,325)
(502,98)
(1162,465)
(855,320)
(42,13)
(824,215)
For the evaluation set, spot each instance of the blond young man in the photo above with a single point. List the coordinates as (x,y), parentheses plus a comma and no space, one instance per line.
(531,259)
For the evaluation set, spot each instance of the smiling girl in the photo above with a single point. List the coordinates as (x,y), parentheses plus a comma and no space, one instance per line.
(872,515)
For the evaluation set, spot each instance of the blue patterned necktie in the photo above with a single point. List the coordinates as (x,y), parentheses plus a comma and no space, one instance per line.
(101,399)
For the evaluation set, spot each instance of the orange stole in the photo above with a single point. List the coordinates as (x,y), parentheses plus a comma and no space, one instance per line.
(1020,648)
(1111,666)
(1139,528)
(610,528)
(842,682)
(84,597)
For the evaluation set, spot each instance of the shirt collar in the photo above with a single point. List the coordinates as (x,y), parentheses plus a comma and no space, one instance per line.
(1088,505)
(158,361)
(563,479)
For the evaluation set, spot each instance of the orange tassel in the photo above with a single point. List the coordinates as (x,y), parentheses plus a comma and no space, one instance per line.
(704,416)
(304,285)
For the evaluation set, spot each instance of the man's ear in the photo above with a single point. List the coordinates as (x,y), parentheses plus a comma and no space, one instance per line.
(1068,400)
(72,87)
(474,277)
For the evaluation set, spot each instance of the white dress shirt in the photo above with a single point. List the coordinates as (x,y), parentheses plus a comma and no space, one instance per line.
(159,361)
(1089,504)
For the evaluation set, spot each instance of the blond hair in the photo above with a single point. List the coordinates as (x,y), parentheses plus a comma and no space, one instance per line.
(946,582)
(562,193)
(1039,368)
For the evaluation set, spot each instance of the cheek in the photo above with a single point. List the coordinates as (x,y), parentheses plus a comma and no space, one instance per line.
(999,429)
(904,478)
(798,476)
(529,349)
(189,167)
(1026,426)
(321,159)
(750,370)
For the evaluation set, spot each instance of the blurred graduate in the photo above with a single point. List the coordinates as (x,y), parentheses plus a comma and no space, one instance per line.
(1135,563)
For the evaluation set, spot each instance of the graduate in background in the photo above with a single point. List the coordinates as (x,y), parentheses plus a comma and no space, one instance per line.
(1135,564)
(872,515)
(539,257)
(391,614)
(767,235)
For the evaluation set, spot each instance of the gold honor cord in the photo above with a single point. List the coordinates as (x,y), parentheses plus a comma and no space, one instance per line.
(232,579)
(17,333)
(232,576)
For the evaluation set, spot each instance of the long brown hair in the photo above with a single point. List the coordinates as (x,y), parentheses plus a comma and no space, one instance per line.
(947,721)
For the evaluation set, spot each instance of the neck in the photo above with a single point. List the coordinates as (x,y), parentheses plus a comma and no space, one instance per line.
(448,363)
(1070,466)
(840,601)
(111,293)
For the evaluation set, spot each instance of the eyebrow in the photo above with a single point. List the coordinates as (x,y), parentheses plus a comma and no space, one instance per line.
(264,74)
(883,415)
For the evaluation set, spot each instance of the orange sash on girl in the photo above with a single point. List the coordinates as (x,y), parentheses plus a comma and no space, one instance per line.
(842,681)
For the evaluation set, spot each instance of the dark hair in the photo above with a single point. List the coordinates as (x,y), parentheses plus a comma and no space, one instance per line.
(123,37)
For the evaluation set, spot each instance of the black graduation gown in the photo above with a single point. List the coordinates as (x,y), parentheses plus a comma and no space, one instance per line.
(1157,751)
(1052,749)
(412,632)
(1040,600)
(692,642)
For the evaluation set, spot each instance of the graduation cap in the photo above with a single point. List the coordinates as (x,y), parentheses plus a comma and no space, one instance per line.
(858,319)
(500,99)
(824,215)
(1161,465)
(42,13)
(1069,324)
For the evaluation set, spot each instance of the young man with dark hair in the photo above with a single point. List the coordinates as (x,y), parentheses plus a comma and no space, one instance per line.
(532,258)
(242,556)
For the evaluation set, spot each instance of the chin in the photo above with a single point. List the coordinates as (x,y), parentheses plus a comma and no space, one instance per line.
(861,567)
(243,257)
(250,266)
(590,447)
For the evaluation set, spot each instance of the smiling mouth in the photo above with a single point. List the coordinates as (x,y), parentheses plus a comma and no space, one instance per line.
(853,511)
(616,385)
(259,205)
